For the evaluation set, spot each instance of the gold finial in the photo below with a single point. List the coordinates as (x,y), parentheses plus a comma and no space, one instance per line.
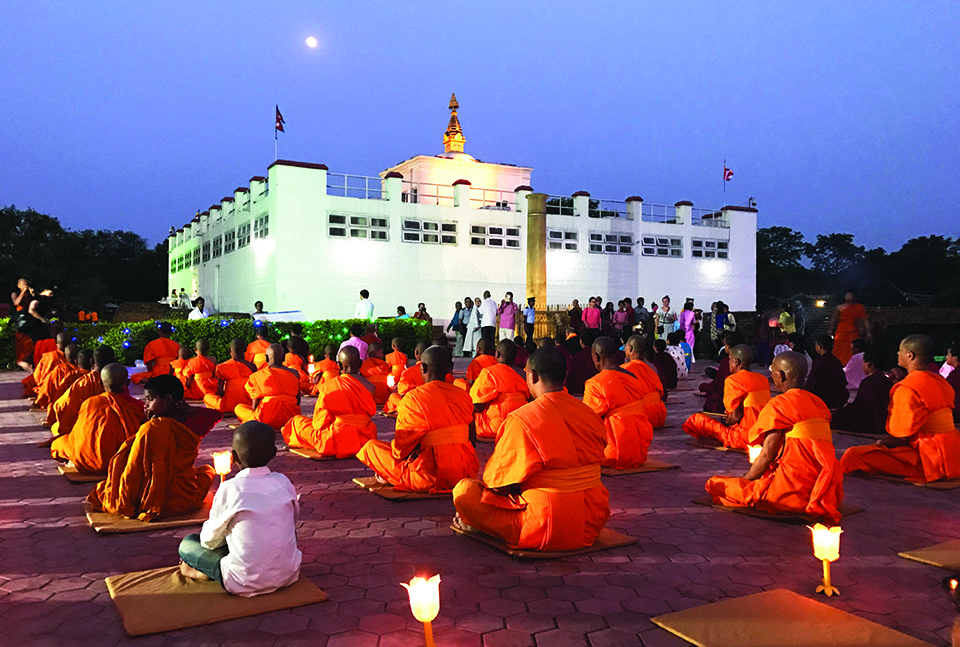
(453,139)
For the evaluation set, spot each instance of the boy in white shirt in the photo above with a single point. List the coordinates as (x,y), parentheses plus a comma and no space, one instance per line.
(249,543)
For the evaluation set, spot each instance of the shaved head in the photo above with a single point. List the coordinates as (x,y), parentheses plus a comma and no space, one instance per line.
(102,356)
(262,333)
(371,329)
(203,347)
(349,358)
(275,354)
(56,327)
(375,348)
(330,351)
(114,377)
(70,352)
(637,344)
(422,346)
(507,352)
(549,364)
(254,443)
(237,347)
(744,353)
(792,364)
(164,329)
(605,347)
(547,342)
(62,340)
(435,363)
(920,345)
(85,359)
(484,347)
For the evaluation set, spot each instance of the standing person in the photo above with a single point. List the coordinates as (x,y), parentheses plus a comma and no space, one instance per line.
(606,317)
(470,321)
(258,308)
(642,317)
(529,318)
(591,316)
(788,324)
(631,313)
(488,317)
(849,322)
(184,302)
(620,319)
(576,316)
(356,330)
(686,320)
(198,311)
(731,323)
(455,324)
(364,309)
(665,317)
(508,312)
(422,314)
(30,323)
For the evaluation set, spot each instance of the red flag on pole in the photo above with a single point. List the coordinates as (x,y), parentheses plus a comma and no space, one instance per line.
(727,173)
(279,125)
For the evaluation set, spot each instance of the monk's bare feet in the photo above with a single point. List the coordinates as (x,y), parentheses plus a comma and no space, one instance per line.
(381,480)
(188,571)
(46,443)
(458,523)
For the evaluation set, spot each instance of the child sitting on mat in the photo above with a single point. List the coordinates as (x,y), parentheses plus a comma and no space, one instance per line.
(249,543)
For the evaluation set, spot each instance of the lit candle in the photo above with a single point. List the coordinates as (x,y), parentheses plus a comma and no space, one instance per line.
(222,464)
(424,602)
(754,451)
(826,548)
(391,381)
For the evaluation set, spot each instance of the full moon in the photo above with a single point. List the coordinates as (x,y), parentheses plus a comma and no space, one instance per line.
(311,42)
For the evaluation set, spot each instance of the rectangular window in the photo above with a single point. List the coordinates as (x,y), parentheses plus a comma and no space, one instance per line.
(335,219)
(378,234)
(338,232)
(206,252)
(709,248)
(431,238)
(173,266)
(217,247)
(661,247)
(613,243)
(243,235)
(358,221)
(495,236)
(358,233)
(180,263)
(360,227)
(558,239)
(430,232)
(379,222)
(411,225)
(261,227)
(229,241)
(187,260)
(431,226)
(411,236)
(196,256)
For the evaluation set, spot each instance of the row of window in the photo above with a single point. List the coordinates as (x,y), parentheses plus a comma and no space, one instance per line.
(224,244)
(431,232)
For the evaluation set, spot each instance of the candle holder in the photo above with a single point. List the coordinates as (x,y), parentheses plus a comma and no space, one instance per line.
(826,548)
(424,602)
(222,464)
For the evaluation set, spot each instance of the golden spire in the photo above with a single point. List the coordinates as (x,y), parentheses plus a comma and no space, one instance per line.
(453,139)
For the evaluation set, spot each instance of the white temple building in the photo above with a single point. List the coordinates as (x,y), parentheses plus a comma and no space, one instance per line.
(436,229)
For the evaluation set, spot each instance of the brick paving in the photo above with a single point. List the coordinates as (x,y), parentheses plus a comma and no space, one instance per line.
(358,547)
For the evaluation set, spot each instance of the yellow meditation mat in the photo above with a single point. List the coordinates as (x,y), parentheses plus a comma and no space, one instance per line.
(608,539)
(160,600)
(933,485)
(371,484)
(312,454)
(943,555)
(650,465)
(845,509)
(720,448)
(778,618)
(106,523)
(68,470)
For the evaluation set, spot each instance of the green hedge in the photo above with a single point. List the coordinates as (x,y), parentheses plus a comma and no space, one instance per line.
(128,340)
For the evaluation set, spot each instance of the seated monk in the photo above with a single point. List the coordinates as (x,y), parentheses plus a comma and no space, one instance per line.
(397,359)
(158,354)
(497,391)
(745,394)
(197,376)
(274,392)
(580,367)
(666,365)
(541,486)
(713,390)
(431,450)
(257,349)
(484,359)
(105,422)
(152,474)
(410,379)
(827,379)
(325,369)
(653,392)
(341,422)
(370,336)
(867,414)
(797,470)
(294,361)
(953,379)
(67,407)
(60,377)
(616,395)
(232,378)
(41,363)
(179,365)
(923,444)
(376,370)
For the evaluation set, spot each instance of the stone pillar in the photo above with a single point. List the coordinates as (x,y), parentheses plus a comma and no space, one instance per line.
(634,208)
(581,203)
(393,187)
(520,199)
(461,193)
(537,248)
(684,212)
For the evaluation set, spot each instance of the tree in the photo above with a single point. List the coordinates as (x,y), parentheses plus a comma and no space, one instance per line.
(780,247)
(834,253)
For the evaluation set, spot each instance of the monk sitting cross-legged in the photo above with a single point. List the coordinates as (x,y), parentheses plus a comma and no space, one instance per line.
(274,392)
(158,354)
(376,370)
(67,407)
(541,486)
(295,361)
(103,425)
(397,359)
(47,353)
(60,377)
(325,369)
(257,349)
(923,444)
(616,395)
(410,379)
(868,411)
(484,359)
(179,365)
(745,393)
(653,391)
(431,450)
(498,390)
(152,474)
(797,470)
(341,419)
(197,376)
(232,378)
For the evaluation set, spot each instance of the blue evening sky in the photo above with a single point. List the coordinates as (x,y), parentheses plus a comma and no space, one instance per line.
(835,116)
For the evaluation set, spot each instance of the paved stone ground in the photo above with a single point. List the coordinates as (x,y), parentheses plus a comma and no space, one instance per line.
(358,547)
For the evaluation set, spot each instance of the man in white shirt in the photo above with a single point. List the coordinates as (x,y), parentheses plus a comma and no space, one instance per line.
(198,312)
(249,543)
(356,331)
(364,307)
(488,318)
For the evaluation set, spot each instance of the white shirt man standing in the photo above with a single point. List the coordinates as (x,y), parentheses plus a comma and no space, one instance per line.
(488,317)
(364,307)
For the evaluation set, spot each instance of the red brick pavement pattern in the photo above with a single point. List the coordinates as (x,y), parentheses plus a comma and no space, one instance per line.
(358,547)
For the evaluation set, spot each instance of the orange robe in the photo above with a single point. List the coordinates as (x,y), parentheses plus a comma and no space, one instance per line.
(431,449)
(653,404)
(204,382)
(178,366)
(328,369)
(847,330)
(376,371)
(234,376)
(398,363)
(294,361)
(56,383)
(257,352)
(806,478)
(550,451)
(746,388)
(409,380)
(41,371)
(152,474)
(104,424)
(504,390)
(278,390)
(922,404)
(41,348)
(341,421)
(161,352)
(617,397)
(67,407)
(479,363)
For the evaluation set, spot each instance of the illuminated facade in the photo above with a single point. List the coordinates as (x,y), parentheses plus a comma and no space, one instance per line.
(438,228)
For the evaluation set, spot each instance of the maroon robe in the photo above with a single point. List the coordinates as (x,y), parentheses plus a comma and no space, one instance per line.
(868,411)
(667,369)
(579,369)
(954,380)
(828,381)
(714,389)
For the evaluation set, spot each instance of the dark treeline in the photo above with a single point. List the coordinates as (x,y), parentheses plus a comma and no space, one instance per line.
(925,271)
(86,269)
